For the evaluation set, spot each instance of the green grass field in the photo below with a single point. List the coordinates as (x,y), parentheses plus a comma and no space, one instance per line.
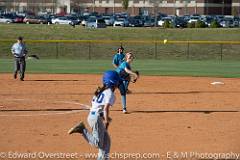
(146,67)
(64,32)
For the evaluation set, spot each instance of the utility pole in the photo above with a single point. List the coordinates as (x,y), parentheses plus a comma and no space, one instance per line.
(93,5)
(156,9)
(223,5)
(113,6)
(14,6)
(186,2)
(207,7)
(196,7)
(174,8)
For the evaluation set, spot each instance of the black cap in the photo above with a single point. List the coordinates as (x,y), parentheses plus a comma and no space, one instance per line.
(121,48)
(20,38)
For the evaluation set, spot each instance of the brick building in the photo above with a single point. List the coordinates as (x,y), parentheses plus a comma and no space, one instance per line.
(171,7)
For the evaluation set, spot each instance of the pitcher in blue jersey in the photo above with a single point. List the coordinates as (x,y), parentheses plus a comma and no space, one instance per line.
(124,70)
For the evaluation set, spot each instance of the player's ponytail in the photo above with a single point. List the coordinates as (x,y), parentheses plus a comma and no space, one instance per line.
(110,80)
(99,90)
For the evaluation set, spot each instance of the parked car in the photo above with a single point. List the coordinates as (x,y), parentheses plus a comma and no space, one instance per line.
(133,22)
(236,22)
(47,17)
(75,20)
(179,22)
(227,23)
(30,19)
(62,20)
(4,19)
(15,18)
(96,23)
(123,22)
(84,20)
(162,21)
(218,18)
(207,20)
(194,19)
(150,22)
(109,20)
(18,19)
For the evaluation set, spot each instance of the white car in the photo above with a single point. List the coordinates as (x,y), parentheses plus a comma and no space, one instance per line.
(61,20)
(84,22)
(108,20)
(96,23)
(193,19)
(162,21)
(5,20)
(121,22)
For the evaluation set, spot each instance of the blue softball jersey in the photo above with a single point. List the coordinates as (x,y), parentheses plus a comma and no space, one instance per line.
(118,58)
(123,66)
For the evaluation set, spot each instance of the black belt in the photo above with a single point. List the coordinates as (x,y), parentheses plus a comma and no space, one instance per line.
(94,112)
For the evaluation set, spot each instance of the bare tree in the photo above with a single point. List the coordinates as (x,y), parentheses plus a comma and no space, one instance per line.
(125,4)
(76,6)
(93,5)
(156,4)
(186,2)
(113,6)
(8,6)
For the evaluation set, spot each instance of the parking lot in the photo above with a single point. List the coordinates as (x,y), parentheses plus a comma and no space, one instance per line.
(95,20)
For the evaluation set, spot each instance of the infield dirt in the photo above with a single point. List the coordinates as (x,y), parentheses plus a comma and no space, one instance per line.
(166,114)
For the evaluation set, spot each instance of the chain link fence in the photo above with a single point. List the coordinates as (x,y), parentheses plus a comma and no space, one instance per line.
(93,50)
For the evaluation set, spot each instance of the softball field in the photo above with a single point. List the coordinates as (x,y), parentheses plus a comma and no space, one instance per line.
(170,118)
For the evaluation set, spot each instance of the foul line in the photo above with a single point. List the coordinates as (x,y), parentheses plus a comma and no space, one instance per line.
(59,111)
(41,114)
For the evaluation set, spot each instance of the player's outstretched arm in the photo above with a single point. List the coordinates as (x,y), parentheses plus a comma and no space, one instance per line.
(131,72)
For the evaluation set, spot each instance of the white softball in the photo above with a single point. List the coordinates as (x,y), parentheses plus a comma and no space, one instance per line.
(165,41)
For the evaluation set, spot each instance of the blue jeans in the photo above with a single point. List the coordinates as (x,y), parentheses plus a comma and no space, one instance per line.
(123,92)
(20,65)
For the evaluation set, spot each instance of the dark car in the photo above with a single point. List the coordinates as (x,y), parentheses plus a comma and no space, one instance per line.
(149,22)
(133,22)
(180,22)
(75,20)
(15,18)
(47,17)
(18,19)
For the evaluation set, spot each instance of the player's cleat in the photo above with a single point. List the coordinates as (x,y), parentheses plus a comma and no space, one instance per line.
(77,129)
(125,111)
(21,79)
(15,76)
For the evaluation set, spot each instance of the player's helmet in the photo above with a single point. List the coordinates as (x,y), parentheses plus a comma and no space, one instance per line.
(111,78)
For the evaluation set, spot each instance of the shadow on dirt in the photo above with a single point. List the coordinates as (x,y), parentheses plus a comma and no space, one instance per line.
(54,80)
(185,111)
(186,92)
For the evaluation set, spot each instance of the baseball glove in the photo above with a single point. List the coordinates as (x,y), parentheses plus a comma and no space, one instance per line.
(133,78)
(33,56)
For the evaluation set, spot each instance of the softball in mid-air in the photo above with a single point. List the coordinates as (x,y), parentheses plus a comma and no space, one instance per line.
(165,41)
